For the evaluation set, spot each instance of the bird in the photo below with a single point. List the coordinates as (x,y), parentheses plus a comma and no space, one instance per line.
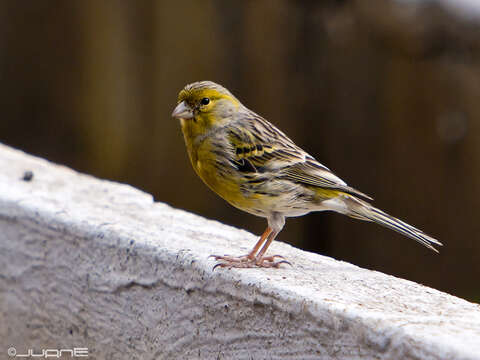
(255,167)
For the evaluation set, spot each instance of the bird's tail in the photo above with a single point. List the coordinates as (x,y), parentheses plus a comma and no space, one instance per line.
(362,210)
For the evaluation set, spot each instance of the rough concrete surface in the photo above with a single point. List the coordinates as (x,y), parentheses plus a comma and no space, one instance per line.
(94,264)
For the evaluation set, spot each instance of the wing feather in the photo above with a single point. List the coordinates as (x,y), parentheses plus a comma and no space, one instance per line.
(269,150)
(309,174)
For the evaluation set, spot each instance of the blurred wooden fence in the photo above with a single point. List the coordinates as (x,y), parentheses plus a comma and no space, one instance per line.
(383,92)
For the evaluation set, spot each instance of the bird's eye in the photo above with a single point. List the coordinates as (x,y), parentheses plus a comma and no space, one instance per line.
(205,101)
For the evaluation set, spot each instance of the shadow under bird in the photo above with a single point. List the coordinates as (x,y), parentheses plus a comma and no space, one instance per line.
(255,167)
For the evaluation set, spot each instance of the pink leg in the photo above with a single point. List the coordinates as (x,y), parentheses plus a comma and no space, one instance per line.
(251,259)
(269,261)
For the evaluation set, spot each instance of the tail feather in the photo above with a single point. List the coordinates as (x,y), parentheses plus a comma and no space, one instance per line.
(362,210)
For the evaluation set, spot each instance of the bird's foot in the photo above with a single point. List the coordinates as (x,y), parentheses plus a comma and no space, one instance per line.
(248,261)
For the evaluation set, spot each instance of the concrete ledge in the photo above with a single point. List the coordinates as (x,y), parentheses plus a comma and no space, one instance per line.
(94,264)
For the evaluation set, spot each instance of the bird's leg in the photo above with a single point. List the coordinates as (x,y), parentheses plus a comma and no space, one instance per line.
(266,233)
(269,261)
(241,261)
(252,259)
(251,255)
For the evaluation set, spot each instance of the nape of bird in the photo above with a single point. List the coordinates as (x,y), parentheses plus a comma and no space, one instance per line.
(256,168)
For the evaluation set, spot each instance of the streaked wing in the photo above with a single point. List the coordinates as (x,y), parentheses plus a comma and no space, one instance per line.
(259,147)
(262,148)
(310,172)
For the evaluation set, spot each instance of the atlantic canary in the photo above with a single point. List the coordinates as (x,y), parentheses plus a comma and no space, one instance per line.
(255,167)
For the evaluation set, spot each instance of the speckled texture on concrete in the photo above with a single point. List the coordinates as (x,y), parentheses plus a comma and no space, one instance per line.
(96,264)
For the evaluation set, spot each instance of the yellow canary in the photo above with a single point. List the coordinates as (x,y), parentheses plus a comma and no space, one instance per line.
(255,167)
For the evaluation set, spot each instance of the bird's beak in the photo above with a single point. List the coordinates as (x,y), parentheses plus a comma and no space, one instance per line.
(182,111)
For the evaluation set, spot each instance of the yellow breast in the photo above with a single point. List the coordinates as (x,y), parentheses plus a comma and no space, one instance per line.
(227,184)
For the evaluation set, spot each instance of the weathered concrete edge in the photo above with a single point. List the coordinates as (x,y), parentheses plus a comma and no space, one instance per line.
(193,270)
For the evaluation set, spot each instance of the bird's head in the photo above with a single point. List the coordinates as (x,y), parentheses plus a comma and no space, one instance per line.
(203,105)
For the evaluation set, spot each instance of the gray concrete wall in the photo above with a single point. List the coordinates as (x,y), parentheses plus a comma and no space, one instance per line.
(94,264)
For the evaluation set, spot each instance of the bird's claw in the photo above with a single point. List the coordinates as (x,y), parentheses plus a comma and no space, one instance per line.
(247,261)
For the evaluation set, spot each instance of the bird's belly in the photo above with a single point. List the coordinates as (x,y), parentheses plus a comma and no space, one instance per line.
(276,196)
(223,184)
(260,198)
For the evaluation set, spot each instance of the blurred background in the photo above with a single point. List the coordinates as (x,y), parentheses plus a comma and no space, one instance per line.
(385,93)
